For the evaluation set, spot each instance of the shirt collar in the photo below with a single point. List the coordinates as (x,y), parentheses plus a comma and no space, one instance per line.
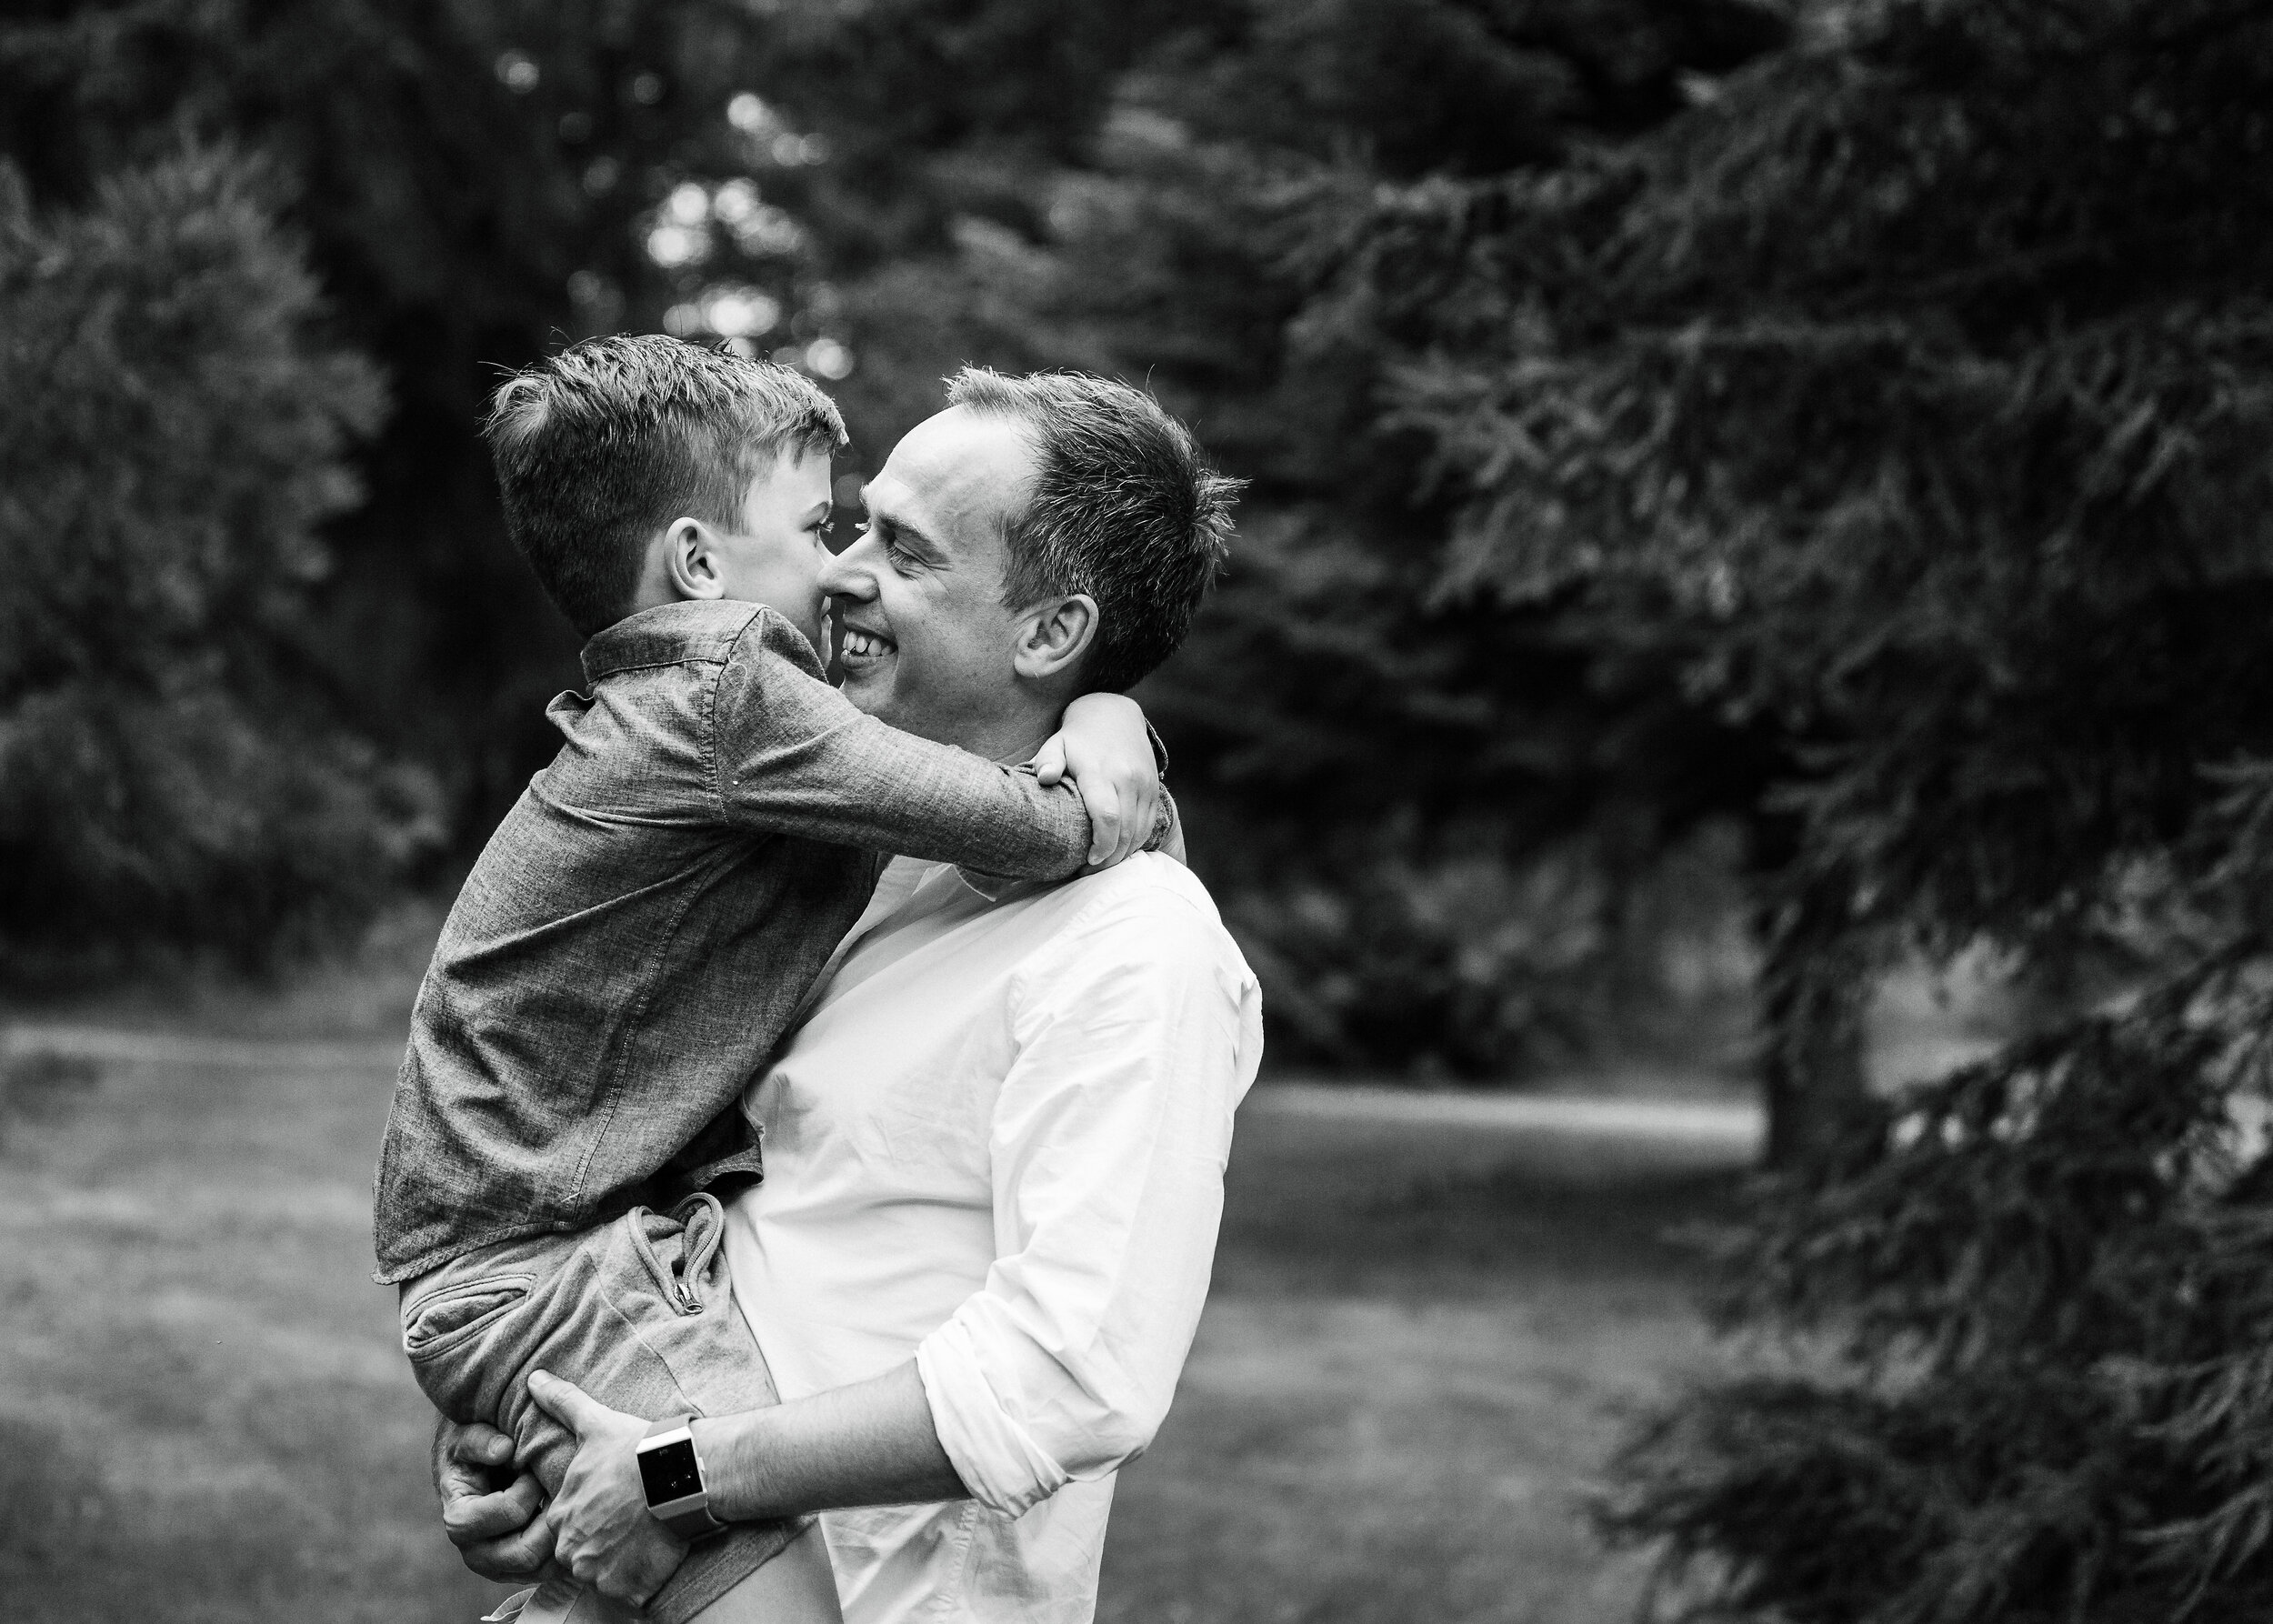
(664,635)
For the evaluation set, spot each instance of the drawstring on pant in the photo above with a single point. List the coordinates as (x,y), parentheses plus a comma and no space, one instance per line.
(702,1228)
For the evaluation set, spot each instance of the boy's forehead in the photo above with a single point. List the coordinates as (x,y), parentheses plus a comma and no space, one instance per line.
(792,475)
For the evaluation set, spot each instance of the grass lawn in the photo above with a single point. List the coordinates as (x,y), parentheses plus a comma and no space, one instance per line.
(1421,1343)
(1420,1349)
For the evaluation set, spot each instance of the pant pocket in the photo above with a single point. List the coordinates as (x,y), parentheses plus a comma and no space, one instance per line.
(451,1315)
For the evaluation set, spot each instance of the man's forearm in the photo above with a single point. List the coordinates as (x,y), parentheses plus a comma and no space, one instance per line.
(870,1444)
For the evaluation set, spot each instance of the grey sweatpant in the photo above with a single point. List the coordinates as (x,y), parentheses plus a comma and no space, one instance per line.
(640,1314)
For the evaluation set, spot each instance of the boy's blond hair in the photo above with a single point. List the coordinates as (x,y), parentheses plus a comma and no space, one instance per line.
(601,445)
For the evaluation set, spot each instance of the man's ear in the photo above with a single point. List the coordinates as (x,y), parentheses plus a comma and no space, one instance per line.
(690,559)
(1053,635)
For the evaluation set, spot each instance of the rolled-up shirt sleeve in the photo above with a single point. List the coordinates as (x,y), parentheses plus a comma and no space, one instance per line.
(1132,1048)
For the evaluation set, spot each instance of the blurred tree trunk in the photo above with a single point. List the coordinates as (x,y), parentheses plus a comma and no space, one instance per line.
(1814,990)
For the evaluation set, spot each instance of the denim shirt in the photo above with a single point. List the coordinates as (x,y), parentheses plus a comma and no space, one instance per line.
(644,923)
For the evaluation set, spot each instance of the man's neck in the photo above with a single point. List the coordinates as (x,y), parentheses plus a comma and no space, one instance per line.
(1010,735)
(1010,745)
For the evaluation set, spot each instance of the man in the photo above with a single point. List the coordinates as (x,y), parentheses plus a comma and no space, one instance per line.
(994,1148)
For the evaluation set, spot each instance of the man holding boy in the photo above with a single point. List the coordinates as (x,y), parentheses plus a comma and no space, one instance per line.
(640,928)
(995,1146)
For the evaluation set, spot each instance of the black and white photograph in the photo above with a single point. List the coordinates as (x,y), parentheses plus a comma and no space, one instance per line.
(1156,811)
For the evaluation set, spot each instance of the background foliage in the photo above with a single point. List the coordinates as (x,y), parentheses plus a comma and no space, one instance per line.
(172,436)
(1438,831)
(1924,381)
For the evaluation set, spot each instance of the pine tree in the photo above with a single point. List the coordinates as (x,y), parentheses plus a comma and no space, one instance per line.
(1915,391)
(172,433)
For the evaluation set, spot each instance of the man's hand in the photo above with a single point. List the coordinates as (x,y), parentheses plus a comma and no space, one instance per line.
(601,1524)
(1104,747)
(490,1512)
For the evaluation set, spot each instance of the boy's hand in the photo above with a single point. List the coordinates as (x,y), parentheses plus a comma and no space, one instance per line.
(607,1536)
(490,1513)
(1104,747)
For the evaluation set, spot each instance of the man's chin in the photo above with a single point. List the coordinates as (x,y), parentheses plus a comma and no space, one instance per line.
(869,688)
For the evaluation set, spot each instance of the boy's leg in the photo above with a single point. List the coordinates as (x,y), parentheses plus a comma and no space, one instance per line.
(640,1314)
(563,1601)
(797,1587)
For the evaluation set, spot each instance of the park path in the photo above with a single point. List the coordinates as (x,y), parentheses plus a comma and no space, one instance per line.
(1736,1125)
(127,1047)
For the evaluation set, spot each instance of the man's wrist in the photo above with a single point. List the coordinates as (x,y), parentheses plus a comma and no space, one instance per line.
(733,1455)
(677,1481)
(869,1444)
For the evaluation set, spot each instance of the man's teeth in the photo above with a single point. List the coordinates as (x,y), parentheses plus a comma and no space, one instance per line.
(863,644)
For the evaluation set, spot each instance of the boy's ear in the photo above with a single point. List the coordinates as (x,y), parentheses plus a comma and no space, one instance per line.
(690,559)
(1053,635)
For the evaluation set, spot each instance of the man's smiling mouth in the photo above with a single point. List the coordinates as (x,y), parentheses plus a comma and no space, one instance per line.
(856,648)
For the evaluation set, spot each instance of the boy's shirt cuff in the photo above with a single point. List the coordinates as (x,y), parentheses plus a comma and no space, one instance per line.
(996,887)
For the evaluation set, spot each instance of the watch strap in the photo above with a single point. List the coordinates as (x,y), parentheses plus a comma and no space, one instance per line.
(691,1523)
(689,1516)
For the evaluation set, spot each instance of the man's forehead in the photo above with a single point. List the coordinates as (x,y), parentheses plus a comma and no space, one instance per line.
(958,468)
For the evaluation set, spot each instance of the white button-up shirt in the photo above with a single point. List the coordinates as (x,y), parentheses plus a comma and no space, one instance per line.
(996,1145)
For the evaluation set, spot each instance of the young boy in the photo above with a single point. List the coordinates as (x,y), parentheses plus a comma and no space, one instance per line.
(642,926)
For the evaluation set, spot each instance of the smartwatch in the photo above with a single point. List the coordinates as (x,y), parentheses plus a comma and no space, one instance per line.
(672,1474)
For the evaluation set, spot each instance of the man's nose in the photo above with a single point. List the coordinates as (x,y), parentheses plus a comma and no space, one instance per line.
(846,574)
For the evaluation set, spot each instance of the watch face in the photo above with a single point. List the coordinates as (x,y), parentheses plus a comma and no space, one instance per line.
(669,1473)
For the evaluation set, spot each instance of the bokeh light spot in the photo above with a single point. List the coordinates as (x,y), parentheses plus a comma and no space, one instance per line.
(671,247)
(735,201)
(765,229)
(739,312)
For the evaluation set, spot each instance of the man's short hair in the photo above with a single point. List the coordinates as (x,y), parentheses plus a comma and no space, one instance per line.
(1123,509)
(601,445)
